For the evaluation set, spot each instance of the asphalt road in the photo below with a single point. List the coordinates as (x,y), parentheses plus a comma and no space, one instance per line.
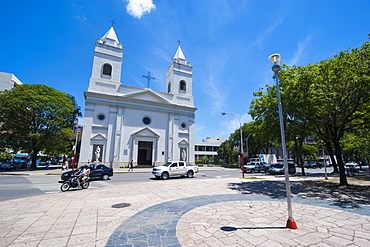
(12,187)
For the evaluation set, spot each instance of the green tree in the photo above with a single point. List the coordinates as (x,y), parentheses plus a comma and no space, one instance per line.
(329,99)
(205,159)
(334,96)
(34,117)
(227,152)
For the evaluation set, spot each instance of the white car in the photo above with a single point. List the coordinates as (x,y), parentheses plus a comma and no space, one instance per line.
(175,168)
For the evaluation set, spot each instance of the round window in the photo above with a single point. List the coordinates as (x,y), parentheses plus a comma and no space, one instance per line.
(146,120)
(183,125)
(101,117)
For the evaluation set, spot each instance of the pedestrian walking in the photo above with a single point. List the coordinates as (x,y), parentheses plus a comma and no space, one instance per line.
(131,166)
(65,165)
(48,162)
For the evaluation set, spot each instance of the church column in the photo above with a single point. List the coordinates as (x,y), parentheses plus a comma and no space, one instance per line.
(123,156)
(191,152)
(169,151)
(109,149)
(175,126)
(86,147)
(118,152)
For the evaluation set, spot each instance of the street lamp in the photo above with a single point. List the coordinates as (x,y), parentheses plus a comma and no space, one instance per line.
(275,66)
(241,139)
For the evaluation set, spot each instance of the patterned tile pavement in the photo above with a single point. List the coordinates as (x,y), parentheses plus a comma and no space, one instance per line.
(181,212)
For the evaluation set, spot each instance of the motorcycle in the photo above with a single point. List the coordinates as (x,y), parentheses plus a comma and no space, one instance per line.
(73,182)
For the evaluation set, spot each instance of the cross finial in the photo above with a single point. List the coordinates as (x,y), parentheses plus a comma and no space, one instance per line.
(179,42)
(113,22)
(148,77)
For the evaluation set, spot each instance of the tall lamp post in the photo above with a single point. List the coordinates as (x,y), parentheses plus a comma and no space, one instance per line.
(241,139)
(275,66)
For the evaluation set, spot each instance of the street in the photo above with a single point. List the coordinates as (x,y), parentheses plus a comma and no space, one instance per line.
(13,187)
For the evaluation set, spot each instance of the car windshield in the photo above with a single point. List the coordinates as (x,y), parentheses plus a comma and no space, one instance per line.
(167,164)
(278,166)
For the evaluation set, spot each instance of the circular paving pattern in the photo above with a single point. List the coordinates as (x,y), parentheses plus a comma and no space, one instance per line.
(198,221)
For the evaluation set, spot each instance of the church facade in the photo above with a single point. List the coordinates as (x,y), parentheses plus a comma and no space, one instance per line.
(124,123)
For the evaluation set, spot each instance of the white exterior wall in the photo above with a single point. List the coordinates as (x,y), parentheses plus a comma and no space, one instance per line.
(124,108)
(8,81)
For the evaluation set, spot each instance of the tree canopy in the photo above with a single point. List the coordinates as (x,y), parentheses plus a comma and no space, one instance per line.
(35,117)
(329,99)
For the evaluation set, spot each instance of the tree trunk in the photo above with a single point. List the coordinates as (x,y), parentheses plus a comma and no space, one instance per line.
(342,172)
(299,149)
(333,160)
(34,158)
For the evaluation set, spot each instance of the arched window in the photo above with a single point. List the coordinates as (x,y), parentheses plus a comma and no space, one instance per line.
(107,69)
(183,85)
(169,87)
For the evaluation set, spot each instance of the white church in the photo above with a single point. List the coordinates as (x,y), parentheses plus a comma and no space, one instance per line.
(124,123)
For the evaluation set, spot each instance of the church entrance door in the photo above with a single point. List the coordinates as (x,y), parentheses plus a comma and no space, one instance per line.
(145,152)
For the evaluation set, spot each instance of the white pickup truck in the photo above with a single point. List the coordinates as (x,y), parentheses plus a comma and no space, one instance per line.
(175,168)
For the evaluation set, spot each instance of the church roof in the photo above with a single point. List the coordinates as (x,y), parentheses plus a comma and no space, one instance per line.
(111,34)
(110,38)
(179,54)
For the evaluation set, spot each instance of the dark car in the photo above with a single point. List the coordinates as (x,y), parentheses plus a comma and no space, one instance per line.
(10,165)
(313,165)
(278,168)
(97,171)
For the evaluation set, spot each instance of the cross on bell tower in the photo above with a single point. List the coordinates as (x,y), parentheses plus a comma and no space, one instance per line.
(148,77)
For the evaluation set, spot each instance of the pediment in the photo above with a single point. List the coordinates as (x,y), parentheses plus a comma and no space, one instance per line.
(145,132)
(99,137)
(184,142)
(148,96)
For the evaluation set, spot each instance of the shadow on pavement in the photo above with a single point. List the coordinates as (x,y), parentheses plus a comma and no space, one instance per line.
(343,196)
(231,228)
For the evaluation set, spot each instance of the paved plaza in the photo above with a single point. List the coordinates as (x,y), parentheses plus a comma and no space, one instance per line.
(185,212)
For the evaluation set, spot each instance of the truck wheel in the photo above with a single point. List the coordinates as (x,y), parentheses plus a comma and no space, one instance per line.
(190,174)
(105,177)
(164,175)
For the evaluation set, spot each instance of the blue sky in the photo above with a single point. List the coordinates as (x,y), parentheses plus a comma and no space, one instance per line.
(227,42)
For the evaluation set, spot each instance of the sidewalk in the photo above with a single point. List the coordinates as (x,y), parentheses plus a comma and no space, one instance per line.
(182,212)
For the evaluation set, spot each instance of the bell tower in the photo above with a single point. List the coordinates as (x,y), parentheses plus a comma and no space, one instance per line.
(107,64)
(179,78)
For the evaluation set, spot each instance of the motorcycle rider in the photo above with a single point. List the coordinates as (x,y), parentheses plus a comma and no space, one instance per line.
(82,174)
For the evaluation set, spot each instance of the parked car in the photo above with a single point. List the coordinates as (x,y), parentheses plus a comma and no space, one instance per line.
(313,165)
(175,168)
(97,171)
(352,168)
(9,165)
(278,168)
(256,167)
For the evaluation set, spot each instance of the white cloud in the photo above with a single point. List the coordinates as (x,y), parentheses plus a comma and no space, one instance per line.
(232,123)
(301,50)
(138,8)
